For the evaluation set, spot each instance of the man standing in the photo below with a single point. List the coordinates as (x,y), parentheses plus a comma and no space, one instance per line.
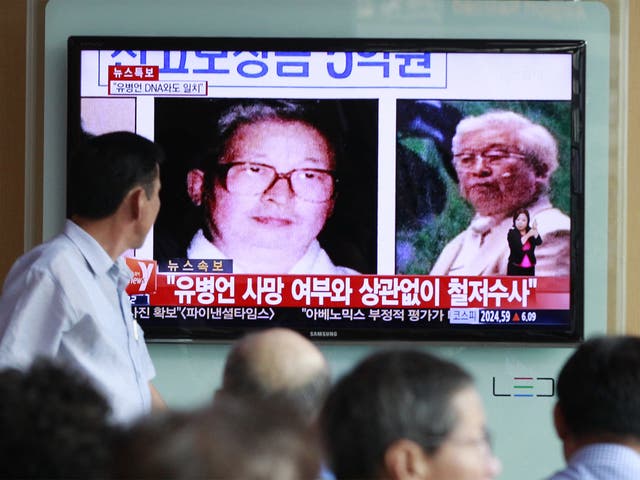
(504,162)
(66,299)
(597,416)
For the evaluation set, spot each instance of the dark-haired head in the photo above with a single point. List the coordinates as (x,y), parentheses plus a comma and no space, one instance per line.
(599,389)
(521,211)
(54,424)
(105,168)
(389,396)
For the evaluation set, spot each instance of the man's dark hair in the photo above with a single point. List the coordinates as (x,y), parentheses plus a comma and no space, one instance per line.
(234,438)
(246,112)
(240,380)
(105,168)
(392,395)
(54,424)
(599,388)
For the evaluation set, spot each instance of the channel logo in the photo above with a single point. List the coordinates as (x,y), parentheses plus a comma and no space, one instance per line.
(144,278)
(523,387)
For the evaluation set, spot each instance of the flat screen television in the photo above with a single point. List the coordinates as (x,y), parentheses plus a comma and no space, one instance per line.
(351,189)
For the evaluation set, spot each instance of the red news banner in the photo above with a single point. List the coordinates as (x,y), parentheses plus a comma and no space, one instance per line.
(353,291)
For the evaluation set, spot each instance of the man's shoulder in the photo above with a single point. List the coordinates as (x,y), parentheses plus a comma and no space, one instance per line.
(601,461)
(56,256)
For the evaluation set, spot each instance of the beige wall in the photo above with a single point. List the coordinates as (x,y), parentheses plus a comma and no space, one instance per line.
(632,253)
(623,299)
(12,133)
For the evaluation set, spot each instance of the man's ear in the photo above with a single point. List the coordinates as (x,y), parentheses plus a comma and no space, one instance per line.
(218,394)
(195,182)
(405,459)
(134,202)
(559,422)
(569,442)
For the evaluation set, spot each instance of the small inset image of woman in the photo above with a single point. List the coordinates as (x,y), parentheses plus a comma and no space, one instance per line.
(523,239)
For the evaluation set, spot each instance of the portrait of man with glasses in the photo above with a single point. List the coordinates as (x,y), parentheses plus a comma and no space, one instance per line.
(268,184)
(503,162)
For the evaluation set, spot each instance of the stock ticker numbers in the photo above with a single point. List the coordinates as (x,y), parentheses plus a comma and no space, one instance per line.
(528,317)
(505,316)
(478,316)
(495,316)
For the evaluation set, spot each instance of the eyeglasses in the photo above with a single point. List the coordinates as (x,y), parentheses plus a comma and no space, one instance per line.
(484,442)
(248,178)
(493,156)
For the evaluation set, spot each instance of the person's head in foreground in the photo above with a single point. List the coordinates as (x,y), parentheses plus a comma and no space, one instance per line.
(598,408)
(54,424)
(405,414)
(503,161)
(234,439)
(269,187)
(277,364)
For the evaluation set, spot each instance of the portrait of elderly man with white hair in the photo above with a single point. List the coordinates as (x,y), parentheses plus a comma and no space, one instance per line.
(504,162)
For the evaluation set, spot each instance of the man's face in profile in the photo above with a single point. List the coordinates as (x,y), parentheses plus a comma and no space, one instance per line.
(494,176)
(466,453)
(275,216)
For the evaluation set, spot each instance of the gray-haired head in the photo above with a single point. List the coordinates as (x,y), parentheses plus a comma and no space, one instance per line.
(533,141)
(280,364)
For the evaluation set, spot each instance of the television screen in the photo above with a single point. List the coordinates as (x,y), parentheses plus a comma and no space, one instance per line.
(351,189)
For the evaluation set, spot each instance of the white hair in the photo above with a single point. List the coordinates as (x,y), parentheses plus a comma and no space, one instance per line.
(534,141)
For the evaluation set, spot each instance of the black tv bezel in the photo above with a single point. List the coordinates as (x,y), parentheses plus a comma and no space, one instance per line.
(531,335)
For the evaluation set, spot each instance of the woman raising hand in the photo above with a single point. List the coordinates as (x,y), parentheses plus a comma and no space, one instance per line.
(523,240)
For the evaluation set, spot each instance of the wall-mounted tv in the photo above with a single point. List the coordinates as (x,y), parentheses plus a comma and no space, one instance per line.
(351,189)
